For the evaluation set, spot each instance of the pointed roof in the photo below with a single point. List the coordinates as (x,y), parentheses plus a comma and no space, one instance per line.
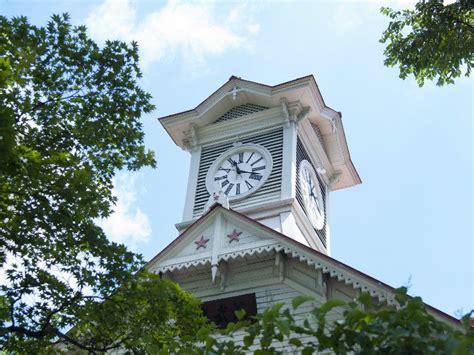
(237,91)
(177,256)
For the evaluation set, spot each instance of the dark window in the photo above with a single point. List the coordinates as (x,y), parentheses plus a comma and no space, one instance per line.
(222,311)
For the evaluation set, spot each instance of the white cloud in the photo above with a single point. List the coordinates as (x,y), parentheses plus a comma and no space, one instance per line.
(350,15)
(128,224)
(192,30)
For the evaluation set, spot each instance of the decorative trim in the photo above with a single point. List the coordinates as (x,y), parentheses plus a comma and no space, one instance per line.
(245,125)
(181,266)
(234,236)
(201,243)
(316,263)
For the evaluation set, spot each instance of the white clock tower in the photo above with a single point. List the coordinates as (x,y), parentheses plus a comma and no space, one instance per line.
(255,228)
(273,153)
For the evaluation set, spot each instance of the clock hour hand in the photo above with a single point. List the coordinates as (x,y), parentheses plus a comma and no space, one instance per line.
(232,162)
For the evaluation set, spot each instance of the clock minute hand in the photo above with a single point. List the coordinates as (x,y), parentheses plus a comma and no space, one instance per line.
(247,172)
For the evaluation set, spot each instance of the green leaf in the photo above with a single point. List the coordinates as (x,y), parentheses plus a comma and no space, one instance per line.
(299,300)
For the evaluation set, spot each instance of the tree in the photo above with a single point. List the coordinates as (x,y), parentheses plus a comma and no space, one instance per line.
(365,328)
(432,42)
(70,118)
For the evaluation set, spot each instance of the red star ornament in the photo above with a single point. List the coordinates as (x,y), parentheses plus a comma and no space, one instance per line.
(234,236)
(201,243)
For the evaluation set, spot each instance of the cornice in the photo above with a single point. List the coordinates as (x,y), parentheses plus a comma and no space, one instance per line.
(240,126)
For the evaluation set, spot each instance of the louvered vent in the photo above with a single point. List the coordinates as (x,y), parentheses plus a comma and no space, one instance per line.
(320,136)
(301,155)
(273,141)
(239,111)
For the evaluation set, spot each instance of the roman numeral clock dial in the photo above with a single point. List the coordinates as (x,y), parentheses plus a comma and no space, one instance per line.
(240,171)
(312,195)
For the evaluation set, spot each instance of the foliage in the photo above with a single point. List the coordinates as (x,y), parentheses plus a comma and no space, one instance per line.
(145,315)
(69,119)
(432,42)
(365,328)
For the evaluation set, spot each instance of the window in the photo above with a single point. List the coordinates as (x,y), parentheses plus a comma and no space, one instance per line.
(222,311)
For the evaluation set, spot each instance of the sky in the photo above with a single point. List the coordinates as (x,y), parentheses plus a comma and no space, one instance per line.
(408,224)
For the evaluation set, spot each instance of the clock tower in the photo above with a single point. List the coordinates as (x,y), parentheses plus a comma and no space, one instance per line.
(256,229)
(271,153)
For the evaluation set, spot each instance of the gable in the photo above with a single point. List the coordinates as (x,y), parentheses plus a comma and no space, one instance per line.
(218,236)
(241,110)
(256,241)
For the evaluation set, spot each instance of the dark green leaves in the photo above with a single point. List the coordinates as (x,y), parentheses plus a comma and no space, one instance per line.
(363,326)
(70,118)
(431,42)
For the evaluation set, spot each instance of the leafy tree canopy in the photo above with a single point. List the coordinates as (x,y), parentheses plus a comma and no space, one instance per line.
(69,119)
(364,328)
(431,42)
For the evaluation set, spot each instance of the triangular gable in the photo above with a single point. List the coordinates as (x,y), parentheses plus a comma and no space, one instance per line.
(256,238)
(237,91)
(216,236)
(239,111)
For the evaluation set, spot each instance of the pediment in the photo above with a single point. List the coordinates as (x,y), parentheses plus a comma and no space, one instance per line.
(216,236)
(236,92)
(240,111)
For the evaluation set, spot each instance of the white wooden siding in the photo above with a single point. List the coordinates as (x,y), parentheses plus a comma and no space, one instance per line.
(264,278)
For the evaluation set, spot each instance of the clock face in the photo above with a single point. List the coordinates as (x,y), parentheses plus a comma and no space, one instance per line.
(240,171)
(312,195)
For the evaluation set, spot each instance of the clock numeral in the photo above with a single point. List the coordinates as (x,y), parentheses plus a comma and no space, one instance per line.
(225,182)
(249,185)
(250,157)
(226,170)
(229,188)
(231,161)
(237,189)
(258,168)
(256,161)
(306,175)
(220,178)
(241,157)
(255,176)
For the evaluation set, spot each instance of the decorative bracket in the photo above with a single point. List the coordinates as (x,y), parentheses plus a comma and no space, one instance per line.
(191,142)
(223,271)
(214,269)
(280,262)
(303,114)
(286,114)
(334,178)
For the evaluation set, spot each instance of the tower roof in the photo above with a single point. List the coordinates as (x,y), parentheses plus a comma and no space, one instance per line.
(302,91)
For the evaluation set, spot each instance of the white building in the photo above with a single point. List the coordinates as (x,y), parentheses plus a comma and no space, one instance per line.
(255,228)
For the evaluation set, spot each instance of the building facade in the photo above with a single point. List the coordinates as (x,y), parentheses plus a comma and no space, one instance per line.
(256,229)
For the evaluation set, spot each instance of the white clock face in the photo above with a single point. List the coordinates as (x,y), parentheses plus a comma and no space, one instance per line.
(240,171)
(312,195)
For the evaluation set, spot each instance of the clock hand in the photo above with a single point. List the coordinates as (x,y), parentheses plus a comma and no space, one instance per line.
(232,162)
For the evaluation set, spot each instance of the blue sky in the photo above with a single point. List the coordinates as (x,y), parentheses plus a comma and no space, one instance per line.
(410,222)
